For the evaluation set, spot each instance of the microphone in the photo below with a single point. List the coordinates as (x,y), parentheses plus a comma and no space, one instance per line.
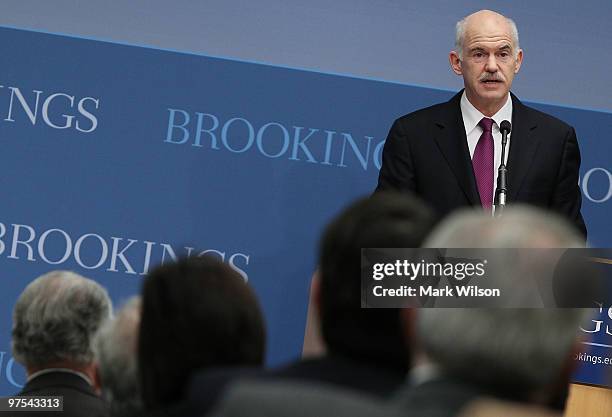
(500,193)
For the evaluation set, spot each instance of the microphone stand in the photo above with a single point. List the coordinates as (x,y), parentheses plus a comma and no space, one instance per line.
(501,191)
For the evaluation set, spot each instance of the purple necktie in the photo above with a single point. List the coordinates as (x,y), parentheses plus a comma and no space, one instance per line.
(482,161)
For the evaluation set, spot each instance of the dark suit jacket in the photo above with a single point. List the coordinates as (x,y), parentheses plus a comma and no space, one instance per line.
(436,398)
(208,387)
(360,375)
(440,398)
(446,397)
(299,399)
(426,152)
(80,400)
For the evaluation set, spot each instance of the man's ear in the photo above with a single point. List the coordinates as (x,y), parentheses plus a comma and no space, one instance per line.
(315,291)
(519,61)
(455,62)
(313,339)
(94,374)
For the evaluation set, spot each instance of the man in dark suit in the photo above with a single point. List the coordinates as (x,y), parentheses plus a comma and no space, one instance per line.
(449,153)
(54,321)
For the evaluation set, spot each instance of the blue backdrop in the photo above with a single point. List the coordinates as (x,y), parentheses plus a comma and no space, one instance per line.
(116,158)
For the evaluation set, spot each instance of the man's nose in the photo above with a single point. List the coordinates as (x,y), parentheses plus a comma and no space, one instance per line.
(491,64)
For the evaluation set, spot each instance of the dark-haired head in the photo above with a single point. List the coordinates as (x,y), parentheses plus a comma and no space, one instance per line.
(384,220)
(196,313)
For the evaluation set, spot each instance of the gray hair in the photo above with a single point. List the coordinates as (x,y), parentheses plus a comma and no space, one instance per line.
(526,346)
(522,347)
(460,35)
(521,226)
(116,347)
(56,317)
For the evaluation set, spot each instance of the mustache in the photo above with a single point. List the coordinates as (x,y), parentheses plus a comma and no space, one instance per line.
(490,77)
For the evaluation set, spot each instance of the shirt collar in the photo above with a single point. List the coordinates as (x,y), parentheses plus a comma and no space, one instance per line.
(65,370)
(472,116)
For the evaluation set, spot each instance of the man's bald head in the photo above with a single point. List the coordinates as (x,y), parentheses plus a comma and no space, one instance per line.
(484,20)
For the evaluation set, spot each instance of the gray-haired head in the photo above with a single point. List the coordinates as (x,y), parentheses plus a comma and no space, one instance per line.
(519,227)
(116,347)
(460,29)
(522,347)
(526,278)
(55,319)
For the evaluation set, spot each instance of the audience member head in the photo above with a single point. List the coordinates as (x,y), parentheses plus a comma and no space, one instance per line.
(55,320)
(196,313)
(384,220)
(525,354)
(521,226)
(115,346)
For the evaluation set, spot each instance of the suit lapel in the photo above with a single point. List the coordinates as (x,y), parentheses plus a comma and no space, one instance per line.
(523,146)
(452,141)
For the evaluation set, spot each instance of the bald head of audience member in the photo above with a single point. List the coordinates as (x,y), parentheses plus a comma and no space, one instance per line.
(115,346)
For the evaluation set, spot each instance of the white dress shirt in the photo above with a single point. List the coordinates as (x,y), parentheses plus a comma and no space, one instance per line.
(471,118)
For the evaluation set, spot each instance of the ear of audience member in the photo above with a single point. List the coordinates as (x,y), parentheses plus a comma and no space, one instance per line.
(197,313)
(54,323)
(116,346)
